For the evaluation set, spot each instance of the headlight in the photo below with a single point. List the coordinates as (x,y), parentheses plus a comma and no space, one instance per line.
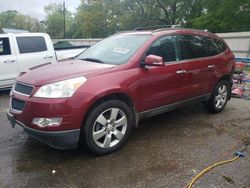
(60,89)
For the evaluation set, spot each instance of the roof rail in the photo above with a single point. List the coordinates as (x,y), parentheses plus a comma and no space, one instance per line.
(157,27)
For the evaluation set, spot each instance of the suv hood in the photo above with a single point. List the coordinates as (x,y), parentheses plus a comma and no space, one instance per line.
(63,70)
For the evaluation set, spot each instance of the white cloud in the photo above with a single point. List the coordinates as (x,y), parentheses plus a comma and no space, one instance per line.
(35,7)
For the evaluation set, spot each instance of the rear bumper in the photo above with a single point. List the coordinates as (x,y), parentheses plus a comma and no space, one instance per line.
(62,140)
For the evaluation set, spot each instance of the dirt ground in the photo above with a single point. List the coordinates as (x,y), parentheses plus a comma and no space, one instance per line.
(165,151)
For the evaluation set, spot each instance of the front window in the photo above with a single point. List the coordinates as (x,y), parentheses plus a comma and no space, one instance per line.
(166,48)
(117,49)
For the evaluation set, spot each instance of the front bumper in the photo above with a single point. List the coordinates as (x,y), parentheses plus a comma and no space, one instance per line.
(62,140)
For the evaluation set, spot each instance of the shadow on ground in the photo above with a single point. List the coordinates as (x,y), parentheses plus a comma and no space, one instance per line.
(165,151)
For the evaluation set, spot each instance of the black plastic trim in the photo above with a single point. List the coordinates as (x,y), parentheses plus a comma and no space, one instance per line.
(62,140)
(169,107)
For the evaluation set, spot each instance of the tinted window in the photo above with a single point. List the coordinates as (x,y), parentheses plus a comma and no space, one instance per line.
(4,46)
(220,45)
(165,47)
(31,44)
(192,47)
(211,46)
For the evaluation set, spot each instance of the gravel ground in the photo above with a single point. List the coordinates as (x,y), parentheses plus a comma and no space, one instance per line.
(165,151)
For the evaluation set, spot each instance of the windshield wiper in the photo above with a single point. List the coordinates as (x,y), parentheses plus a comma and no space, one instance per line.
(93,60)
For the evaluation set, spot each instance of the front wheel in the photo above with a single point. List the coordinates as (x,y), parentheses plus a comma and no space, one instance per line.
(219,97)
(107,127)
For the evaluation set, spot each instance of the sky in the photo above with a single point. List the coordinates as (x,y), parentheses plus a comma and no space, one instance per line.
(34,8)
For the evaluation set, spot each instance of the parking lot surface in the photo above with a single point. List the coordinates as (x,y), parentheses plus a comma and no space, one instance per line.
(165,151)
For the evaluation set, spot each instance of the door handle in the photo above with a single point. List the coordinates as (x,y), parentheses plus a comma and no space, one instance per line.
(47,57)
(9,61)
(181,71)
(211,66)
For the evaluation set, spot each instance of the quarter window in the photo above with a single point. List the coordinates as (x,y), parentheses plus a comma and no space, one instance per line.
(212,48)
(192,47)
(220,45)
(166,48)
(5,46)
(31,44)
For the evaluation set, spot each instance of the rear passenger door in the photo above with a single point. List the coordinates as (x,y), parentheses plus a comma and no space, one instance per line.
(199,68)
(33,51)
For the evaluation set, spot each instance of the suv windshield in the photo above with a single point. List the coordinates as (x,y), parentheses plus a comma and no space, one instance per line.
(115,50)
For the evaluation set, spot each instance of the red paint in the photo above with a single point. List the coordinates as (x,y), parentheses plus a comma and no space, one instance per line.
(148,88)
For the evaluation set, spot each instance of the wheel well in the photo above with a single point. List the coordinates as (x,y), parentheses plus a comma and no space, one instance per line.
(226,77)
(118,96)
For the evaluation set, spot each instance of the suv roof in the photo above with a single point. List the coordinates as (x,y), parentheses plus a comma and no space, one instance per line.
(22,34)
(171,31)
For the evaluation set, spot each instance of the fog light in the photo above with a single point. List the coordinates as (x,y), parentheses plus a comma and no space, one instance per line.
(47,122)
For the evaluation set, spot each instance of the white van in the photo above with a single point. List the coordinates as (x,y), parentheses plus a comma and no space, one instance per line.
(19,52)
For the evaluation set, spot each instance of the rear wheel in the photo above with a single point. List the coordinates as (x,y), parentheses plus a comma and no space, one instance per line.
(107,127)
(219,97)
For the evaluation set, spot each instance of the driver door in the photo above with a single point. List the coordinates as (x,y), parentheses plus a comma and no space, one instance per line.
(162,85)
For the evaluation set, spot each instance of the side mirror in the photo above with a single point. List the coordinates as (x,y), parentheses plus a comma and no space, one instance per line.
(153,60)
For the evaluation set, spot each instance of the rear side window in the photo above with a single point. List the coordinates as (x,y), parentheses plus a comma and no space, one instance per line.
(192,47)
(164,47)
(5,46)
(221,47)
(214,46)
(31,44)
(211,46)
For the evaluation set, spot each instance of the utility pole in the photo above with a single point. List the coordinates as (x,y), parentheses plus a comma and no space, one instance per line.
(64,20)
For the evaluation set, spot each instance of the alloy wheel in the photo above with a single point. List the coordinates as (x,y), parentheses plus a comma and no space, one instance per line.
(109,128)
(221,97)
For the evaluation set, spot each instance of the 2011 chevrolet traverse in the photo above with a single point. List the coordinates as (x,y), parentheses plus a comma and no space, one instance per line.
(96,98)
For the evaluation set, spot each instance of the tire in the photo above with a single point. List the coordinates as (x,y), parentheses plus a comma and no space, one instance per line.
(219,97)
(107,127)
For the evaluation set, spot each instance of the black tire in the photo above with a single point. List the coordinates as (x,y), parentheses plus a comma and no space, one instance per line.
(91,125)
(211,104)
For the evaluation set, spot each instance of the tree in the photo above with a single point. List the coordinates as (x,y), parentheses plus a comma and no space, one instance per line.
(140,13)
(162,12)
(55,21)
(99,18)
(13,19)
(28,23)
(224,16)
(7,19)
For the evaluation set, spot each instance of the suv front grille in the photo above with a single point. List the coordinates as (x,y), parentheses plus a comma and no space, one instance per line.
(23,88)
(17,105)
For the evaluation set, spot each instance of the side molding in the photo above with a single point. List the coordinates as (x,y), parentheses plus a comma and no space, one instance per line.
(169,107)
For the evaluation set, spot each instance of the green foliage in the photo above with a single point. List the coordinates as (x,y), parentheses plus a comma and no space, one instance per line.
(14,20)
(101,18)
(225,16)
(139,13)
(160,12)
(55,21)
(7,19)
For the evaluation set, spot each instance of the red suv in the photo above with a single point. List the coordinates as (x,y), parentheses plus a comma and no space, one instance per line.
(97,98)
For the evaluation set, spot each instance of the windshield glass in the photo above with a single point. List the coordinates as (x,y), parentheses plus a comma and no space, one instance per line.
(114,50)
